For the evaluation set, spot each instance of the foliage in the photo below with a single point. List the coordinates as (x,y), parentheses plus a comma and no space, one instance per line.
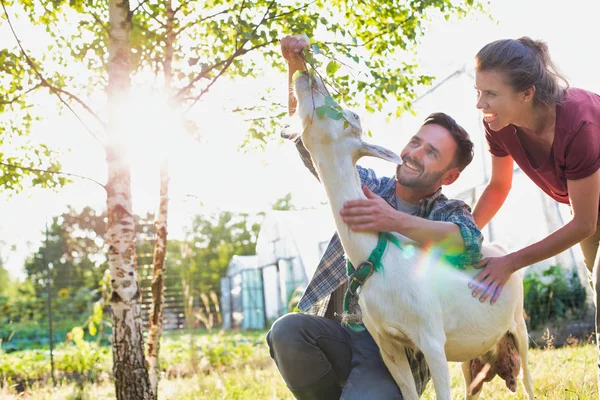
(211,242)
(204,313)
(74,251)
(294,298)
(19,114)
(24,324)
(83,361)
(76,254)
(368,48)
(553,295)
(284,203)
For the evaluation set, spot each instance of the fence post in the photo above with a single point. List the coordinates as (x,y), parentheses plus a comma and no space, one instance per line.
(49,288)
(264,297)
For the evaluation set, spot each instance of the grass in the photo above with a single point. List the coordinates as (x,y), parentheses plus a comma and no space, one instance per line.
(566,373)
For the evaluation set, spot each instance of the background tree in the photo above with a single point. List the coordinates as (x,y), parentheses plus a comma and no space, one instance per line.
(284,203)
(75,251)
(213,239)
(4,279)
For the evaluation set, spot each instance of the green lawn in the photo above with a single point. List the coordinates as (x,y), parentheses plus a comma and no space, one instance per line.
(245,371)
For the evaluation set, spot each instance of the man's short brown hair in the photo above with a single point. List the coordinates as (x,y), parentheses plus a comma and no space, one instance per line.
(464,151)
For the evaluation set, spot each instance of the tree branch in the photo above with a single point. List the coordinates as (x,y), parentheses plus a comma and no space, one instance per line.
(262,21)
(239,19)
(44,81)
(22,94)
(51,172)
(197,21)
(295,10)
(175,11)
(99,22)
(385,32)
(81,103)
(153,16)
(140,4)
(272,117)
(200,76)
(240,52)
(258,107)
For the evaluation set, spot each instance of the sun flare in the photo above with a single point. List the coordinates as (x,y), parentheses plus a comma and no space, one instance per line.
(150,128)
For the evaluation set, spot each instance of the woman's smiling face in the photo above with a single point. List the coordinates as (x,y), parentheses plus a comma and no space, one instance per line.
(500,103)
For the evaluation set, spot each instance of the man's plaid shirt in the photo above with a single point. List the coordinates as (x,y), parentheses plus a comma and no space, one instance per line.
(331,272)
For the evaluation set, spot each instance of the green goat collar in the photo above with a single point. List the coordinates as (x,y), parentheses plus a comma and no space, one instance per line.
(358,276)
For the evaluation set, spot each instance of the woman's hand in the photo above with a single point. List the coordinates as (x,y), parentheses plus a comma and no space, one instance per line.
(491,280)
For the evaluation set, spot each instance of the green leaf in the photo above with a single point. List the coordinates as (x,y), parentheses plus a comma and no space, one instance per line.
(92,328)
(330,102)
(332,67)
(77,335)
(334,114)
(321,111)
(97,313)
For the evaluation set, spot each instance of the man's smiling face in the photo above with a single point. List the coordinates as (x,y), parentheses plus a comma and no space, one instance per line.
(427,157)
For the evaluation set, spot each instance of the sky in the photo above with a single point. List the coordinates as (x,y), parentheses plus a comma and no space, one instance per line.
(215,174)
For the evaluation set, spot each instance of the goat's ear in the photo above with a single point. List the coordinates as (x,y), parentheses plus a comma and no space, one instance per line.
(292,129)
(373,150)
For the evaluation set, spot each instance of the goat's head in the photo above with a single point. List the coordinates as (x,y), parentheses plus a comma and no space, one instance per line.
(325,123)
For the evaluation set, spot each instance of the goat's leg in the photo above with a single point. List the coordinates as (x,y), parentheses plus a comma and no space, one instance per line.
(466,369)
(522,341)
(394,357)
(433,350)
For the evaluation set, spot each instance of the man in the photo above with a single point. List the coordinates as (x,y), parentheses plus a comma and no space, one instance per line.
(318,357)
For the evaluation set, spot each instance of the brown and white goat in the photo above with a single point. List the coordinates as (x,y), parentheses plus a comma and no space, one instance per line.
(417,300)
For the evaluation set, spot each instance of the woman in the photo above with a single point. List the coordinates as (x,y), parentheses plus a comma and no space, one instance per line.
(553,134)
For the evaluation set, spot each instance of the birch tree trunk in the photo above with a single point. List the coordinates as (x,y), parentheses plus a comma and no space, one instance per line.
(160,245)
(129,365)
(158,282)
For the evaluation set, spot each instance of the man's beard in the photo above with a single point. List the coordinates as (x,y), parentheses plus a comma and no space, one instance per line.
(422,181)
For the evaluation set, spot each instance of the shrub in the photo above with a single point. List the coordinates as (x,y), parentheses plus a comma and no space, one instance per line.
(553,295)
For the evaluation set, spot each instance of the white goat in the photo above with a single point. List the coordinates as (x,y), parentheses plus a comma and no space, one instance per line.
(417,301)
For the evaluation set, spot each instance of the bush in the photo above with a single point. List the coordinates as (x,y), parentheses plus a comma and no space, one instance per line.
(84,362)
(552,296)
(24,324)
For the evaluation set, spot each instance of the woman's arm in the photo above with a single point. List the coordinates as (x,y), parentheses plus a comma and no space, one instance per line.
(495,192)
(584,194)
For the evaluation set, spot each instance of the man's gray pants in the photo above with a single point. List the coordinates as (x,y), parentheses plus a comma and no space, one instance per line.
(319,358)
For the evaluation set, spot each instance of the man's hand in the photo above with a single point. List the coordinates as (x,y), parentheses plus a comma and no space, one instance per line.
(291,47)
(371,214)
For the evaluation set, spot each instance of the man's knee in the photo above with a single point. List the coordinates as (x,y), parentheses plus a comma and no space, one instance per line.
(285,331)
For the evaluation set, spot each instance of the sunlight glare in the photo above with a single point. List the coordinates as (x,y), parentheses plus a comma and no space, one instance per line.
(151,128)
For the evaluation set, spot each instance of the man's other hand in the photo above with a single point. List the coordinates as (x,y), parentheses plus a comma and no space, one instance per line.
(371,214)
